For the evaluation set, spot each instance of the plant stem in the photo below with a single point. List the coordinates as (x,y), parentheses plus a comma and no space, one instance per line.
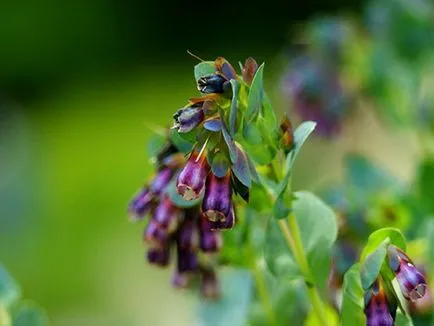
(261,287)
(293,239)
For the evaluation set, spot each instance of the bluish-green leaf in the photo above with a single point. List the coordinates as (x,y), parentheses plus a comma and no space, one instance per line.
(241,168)
(155,144)
(352,299)
(376,238)
(318,228)
(232,308)
(256,94)
(9,289)
(29,314)
(183,144)
(220,165)
(229,142)
(204,68)
(234,107)
(371,265)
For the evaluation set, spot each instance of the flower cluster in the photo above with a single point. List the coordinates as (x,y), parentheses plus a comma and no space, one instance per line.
(173,225)
(191,197)
(380,305)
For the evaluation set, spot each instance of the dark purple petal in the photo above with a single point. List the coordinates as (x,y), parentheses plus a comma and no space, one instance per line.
(141,204)
(209,287)
(188,118)
(159,256)
(377,309)
(167,215)
(211,84)
(192,178)
(217,202)
(161,180)
(188,237)
(155,235)
(187,260)
(210,241)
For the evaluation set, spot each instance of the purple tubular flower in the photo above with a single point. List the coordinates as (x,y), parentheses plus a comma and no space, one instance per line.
(209,286)
(192,178)
(187,260)
(141,204)
(188,237)
(155,235)
(226,224)
(159,256)
(410,279)
(188,118)
(210,241)
(377,309)
(167,215)
(217,204)
(161,180)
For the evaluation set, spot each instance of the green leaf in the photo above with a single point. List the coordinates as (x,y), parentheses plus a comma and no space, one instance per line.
(29,314)
(318,228)
(233,306)
(372,264)
(252,134)
(330,314)
(204,68)
(234,107)
(256,94)
(10,291)
(425,182)
(352,301)
(376,238)
(366,178)
(181,141)
(219,165)
(155,144)
(301,134)
(229,142)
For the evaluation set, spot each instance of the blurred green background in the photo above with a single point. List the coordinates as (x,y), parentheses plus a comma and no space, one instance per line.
(79,83)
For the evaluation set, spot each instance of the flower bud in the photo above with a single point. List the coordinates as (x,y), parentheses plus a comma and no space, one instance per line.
(161,180)
(187,260)
(210,241)
(410,279)
(167,215)
(188,118)
(141,204)
(211,84)
(217,204)
(209,286)
(377,309)
(159,256)
(287,134)
(249,70)
(155,235)
(192,178)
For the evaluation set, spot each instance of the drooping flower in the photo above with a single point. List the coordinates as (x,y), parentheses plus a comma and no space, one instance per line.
(141,204)
(378,310)
(191,180)
(217,203)
(188,118)
(410,279)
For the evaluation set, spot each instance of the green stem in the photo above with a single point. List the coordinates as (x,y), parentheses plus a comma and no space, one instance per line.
(261,286)
(5,319)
